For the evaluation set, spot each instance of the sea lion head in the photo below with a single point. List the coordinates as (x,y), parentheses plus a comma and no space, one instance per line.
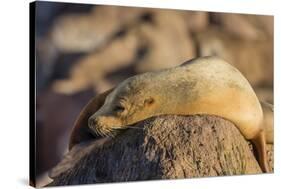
(127,104)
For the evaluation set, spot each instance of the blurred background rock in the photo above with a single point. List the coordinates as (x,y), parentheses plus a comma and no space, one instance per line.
(82,50)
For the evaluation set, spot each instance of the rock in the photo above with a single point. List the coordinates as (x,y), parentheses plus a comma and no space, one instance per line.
(164,147)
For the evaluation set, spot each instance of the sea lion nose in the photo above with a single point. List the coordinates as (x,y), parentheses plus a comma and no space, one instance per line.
(92,122)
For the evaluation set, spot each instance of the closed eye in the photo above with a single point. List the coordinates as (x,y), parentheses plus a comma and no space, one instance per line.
(119,108)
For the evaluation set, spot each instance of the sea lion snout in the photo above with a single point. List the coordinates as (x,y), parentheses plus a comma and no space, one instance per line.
(104,125)
(92,122)
(94,125)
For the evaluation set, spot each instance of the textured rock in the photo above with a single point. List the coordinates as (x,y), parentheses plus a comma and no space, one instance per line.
(164,147)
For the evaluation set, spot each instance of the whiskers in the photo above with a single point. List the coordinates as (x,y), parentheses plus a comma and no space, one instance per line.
(97,131)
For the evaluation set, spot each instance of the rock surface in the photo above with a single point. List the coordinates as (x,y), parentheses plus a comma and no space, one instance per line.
(164,147)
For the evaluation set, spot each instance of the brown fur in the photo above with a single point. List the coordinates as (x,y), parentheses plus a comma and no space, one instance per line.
(206,85)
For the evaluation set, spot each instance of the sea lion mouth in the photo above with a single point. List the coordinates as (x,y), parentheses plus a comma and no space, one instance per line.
(99,129)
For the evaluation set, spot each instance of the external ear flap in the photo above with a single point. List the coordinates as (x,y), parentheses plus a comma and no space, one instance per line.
(149,101)
(80,130)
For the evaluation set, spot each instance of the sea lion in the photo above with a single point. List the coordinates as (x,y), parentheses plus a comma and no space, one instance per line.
(206,85)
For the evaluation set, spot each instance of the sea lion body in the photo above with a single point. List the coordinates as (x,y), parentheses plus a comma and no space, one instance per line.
(206,85)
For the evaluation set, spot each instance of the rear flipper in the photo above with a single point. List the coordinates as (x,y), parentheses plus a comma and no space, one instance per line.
(268,124)
(259,144)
